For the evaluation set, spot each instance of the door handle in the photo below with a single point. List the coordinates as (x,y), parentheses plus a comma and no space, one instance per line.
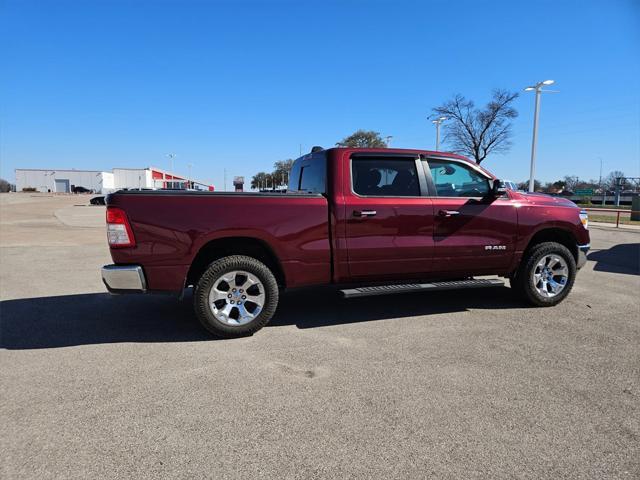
(448,213)
(364,213)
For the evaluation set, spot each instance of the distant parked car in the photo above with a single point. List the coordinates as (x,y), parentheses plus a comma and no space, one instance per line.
(79,189)
(97,200)
(510,185)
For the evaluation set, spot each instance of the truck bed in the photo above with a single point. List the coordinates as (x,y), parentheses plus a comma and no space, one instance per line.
(171,226)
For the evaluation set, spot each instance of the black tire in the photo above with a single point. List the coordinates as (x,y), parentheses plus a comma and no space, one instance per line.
(523,284)
(213,274)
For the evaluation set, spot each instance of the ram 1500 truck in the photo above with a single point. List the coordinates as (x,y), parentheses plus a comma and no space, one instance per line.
(369,221)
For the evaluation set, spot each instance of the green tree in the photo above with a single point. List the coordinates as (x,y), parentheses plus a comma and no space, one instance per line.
(478,132)
(281,171)
(261,180)
(363,139)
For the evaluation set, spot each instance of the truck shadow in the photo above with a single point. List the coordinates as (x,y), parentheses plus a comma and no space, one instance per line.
(96,318)
(306,309)
(622,258)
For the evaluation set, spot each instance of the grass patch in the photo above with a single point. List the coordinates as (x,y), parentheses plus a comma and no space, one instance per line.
(614,207)
(624,219)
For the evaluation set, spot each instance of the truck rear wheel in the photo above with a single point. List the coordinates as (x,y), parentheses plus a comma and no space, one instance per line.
(546,274)
(236,296)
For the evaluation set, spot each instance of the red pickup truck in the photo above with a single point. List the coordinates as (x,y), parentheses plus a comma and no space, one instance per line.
(369,221)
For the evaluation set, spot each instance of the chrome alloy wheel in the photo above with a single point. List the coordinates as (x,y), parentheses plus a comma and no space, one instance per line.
(236,298)
(550,275)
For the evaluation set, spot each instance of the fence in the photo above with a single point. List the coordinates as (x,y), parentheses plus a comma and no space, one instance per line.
(614,210)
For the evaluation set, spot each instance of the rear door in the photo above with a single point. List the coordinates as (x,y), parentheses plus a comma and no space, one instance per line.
(388,217)
(473,233)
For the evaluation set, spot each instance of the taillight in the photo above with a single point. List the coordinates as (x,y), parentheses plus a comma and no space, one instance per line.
(119,233)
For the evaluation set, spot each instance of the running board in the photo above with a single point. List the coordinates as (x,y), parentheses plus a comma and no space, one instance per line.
(418,287)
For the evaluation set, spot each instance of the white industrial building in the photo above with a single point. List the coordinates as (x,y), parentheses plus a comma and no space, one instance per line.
(64,181)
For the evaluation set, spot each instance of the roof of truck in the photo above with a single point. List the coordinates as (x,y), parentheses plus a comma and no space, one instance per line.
(407,151)
(402,151)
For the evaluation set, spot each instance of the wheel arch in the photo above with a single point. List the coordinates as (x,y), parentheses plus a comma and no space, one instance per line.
(236,245)
(559,235)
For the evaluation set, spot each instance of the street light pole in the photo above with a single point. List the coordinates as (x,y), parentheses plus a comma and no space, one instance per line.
(388,140)
(538,89)
(534,141)
(171,156)
(437,123)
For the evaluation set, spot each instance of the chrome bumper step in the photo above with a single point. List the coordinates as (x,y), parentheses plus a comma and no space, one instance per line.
(417,287)
(124,278)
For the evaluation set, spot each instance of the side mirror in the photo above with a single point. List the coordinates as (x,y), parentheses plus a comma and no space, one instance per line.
(497,188)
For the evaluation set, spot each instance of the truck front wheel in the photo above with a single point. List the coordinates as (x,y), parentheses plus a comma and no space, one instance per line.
(236,296)
(546,274)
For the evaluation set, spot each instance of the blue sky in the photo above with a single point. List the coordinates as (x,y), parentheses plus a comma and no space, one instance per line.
(239,85)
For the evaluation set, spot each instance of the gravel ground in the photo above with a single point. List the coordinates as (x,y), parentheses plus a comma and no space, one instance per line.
(466,384)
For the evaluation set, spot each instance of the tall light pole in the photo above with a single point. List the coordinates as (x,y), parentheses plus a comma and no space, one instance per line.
(171,156)
(600,178)
(538,89)
(437,123)
(387,140)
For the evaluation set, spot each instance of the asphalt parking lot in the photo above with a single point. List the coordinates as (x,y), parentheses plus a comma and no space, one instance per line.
(466,384)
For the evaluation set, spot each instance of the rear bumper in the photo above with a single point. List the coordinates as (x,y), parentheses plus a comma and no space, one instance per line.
(582,255)
(124,278)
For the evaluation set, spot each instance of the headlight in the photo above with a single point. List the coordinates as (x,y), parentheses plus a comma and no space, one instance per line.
(584,219)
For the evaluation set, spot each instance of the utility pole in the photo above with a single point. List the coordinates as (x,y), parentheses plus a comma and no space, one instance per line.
(437,123)
(538,89)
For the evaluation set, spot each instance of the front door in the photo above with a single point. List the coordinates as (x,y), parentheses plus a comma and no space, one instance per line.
(388,218)
(473,233)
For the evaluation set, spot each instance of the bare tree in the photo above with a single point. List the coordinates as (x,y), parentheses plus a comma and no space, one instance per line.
(571,182)
(524,186)
(478,132)
(612,179)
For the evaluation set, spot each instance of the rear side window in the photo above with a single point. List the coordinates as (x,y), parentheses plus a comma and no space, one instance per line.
(294,176)
(309,174)
(453,179)
(385,177)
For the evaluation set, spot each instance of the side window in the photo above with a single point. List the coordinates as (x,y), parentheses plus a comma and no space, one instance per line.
(385,177)
(309,174)
(453,179)
(294,176)
(312,178)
